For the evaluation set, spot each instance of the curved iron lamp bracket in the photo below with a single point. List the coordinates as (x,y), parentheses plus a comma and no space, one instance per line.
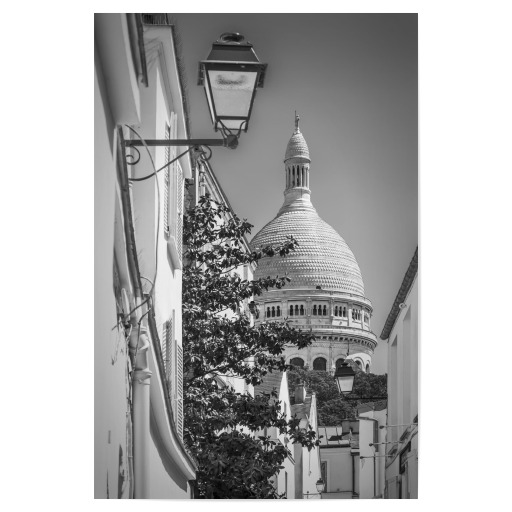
(229,140)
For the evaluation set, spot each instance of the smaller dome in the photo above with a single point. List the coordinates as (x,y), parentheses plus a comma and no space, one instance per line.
(297,147)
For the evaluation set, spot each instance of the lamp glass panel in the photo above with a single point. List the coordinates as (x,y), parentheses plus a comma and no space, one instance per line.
(232,92)
(233,124)
(210,105)
(345,384)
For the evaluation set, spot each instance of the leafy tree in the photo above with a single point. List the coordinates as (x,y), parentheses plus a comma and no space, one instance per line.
(223,428)
(332,407)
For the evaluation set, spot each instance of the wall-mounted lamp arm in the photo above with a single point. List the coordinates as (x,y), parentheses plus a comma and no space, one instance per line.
(231,141)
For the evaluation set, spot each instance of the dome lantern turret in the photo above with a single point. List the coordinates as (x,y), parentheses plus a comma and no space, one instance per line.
(297,160)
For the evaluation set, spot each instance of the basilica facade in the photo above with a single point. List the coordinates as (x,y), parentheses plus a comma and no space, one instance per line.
(326,292)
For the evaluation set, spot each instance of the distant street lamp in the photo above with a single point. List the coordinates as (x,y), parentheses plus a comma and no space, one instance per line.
(344,377)
(320,485)
(231,74)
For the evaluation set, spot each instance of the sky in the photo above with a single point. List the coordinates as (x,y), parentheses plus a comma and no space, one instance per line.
(353,80)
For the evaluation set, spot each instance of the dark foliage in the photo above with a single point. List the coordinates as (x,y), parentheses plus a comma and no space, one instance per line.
(223,429)
(333,408)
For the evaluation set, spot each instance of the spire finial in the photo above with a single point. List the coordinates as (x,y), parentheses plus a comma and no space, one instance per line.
(297,119)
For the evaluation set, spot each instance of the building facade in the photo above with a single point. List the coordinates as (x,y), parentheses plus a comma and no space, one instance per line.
(138,385)
(353,455)
(284,481)
(307,462)
(326,292)
(401,333)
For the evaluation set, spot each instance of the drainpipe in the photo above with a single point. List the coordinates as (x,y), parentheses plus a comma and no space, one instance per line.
(140,378)
(139,340)
(353,475)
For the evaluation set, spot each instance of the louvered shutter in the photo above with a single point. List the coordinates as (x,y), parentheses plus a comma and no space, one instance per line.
(179,212)
(167,351)
(167,181)
(179,389)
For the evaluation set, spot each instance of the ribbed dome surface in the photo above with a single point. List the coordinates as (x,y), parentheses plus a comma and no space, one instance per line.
(297,147)
(322,258)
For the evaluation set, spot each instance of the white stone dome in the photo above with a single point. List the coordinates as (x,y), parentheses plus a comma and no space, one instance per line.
(322,258)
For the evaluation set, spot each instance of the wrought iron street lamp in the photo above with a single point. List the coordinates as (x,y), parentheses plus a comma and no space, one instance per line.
(231,74)
(344,377)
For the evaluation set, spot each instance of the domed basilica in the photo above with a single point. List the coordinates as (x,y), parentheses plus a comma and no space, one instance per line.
(326,292)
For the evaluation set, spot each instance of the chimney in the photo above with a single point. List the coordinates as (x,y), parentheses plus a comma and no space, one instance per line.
(300,393)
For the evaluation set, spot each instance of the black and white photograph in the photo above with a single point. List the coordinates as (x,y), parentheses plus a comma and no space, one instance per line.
(256,321)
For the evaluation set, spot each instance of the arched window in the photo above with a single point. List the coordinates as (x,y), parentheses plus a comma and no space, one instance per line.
(273,311)
(320,363)
(314,310)
(344,311)
(301,309)
(298,362)
(325,310)
(278,311)
(335,310)
(339,362)
(367,367)
(359,364)
(268,312)
(296,310)
(291,310)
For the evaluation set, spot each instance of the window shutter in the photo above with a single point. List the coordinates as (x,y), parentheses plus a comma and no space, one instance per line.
(167,351)
(167,181)
(179,388)
(176,202)
(179,212)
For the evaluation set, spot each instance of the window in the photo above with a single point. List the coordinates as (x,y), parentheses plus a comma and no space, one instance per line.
(344,312)
(173,197)
(367,368)
(336,311)
(324,474)
(172,354)
(325,310)
(297,361)
(167,348)
(302,309)
(296,310)
(320,363)
(268,312)
(291,310)
(278,313)
(273,311)
(314,310)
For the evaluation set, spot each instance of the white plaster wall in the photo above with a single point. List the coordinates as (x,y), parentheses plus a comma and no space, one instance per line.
(289,463)
(111,378)
(366,466)
(403,391)
(161,484)
(311,470)
(109,358)
(339,469)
